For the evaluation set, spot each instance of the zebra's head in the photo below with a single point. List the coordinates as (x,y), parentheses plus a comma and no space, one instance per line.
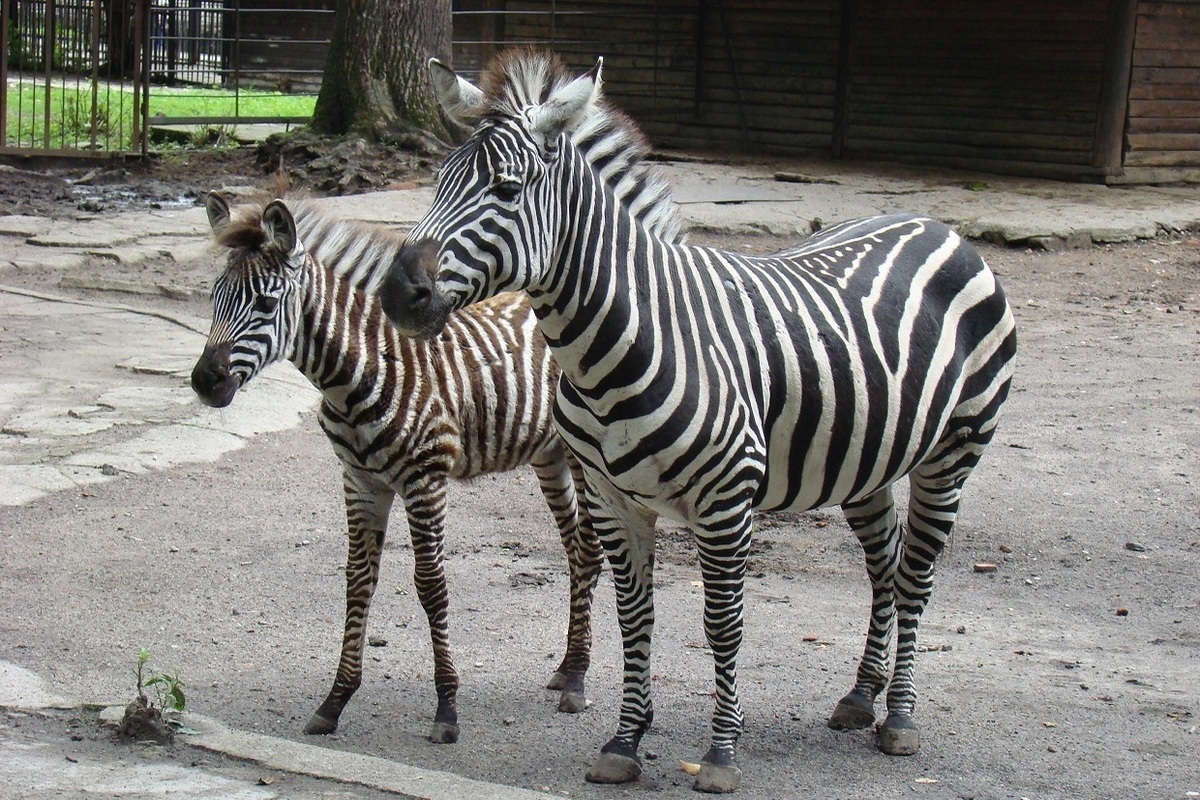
(493,225)
(256,300)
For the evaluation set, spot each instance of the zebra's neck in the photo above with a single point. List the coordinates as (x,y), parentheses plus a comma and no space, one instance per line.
(341,340)
(596,303)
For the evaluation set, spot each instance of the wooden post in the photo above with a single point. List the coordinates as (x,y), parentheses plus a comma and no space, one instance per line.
(1113,108)
(841,98)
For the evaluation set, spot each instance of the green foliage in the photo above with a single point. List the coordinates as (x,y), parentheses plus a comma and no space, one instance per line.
(166,688)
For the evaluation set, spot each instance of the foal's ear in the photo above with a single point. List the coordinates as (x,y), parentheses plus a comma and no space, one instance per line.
(566,107)
(279,226)
(460,99)
(218,210)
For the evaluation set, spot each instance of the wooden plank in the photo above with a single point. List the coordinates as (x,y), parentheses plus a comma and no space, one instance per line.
(1162,158)
(1181,109)
(1165,141)
(1165,91)
(1180,57)
(1189,123)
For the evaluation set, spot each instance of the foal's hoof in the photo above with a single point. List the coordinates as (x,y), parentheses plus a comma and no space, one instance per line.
(853,712)
(898,735)
(320,725)
(717,779)
(572,703)
(443,733)
(613,768)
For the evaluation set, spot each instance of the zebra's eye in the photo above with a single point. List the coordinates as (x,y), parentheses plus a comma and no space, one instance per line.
(507,191)
(266,304)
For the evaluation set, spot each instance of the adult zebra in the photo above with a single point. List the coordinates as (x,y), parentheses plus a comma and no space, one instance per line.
(701,385)
(404,417)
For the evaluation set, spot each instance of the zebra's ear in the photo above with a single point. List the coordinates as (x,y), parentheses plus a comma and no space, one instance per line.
(280,227)
(218,210)
(460,99)
(566,107)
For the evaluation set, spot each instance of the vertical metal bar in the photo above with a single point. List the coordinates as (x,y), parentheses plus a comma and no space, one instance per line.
(5,21)
(95,69)
(237,58)
(47,58)
(141,67)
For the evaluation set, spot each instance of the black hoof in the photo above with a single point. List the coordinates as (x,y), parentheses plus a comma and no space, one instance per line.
(717,778)
(319,725)
(613,768)
(443,733)
(572,703)
(898,735)
(853,712)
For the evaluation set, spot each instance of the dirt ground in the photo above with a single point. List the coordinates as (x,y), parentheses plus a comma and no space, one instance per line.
(1071,671)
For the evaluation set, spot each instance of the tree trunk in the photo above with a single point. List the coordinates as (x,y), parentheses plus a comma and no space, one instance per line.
(376,82)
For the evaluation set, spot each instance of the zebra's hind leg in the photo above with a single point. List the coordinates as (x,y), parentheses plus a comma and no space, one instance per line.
(936,490)
(425,495)
(366,516)
(561,480)
(873,520)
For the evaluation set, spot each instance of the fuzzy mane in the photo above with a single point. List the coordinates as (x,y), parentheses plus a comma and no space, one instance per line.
(520,77)
(357,252)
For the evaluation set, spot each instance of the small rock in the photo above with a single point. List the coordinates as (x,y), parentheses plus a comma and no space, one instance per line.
(984,566)
(1122,612)
(1005,549)
(1135,547)
(375,641)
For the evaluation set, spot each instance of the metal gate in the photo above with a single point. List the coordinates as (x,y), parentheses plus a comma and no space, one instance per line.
(72,74)
(95,77)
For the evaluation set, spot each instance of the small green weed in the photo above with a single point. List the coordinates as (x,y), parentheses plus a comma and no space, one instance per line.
(155,713)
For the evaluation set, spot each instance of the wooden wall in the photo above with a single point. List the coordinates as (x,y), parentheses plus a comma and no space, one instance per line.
(1163,133)
(1104,90)
(1008,87)
(282,44)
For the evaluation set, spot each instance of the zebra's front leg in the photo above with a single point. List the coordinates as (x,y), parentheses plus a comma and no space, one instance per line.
(628,538)
(425,501)
(367,517)
(873,520)
(724,548)
(560,475)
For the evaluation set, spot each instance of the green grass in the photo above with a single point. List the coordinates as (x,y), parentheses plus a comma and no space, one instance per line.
(71,121)
(218,103)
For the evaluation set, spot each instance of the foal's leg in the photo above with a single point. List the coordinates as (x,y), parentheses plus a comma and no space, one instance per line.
(559,476)
(873,520)
(367,512)
(425,502)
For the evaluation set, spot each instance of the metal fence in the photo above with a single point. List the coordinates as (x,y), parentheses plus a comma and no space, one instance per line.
(71,76)
(96,77)
(105,77)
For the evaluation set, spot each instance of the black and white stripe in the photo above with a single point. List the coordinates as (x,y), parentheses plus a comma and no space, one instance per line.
(404,417)
(702,385)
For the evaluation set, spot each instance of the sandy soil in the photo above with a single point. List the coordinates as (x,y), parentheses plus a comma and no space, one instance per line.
(1068,672)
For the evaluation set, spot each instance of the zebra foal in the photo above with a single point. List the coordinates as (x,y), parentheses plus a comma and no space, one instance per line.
(404,417)
(701,385)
